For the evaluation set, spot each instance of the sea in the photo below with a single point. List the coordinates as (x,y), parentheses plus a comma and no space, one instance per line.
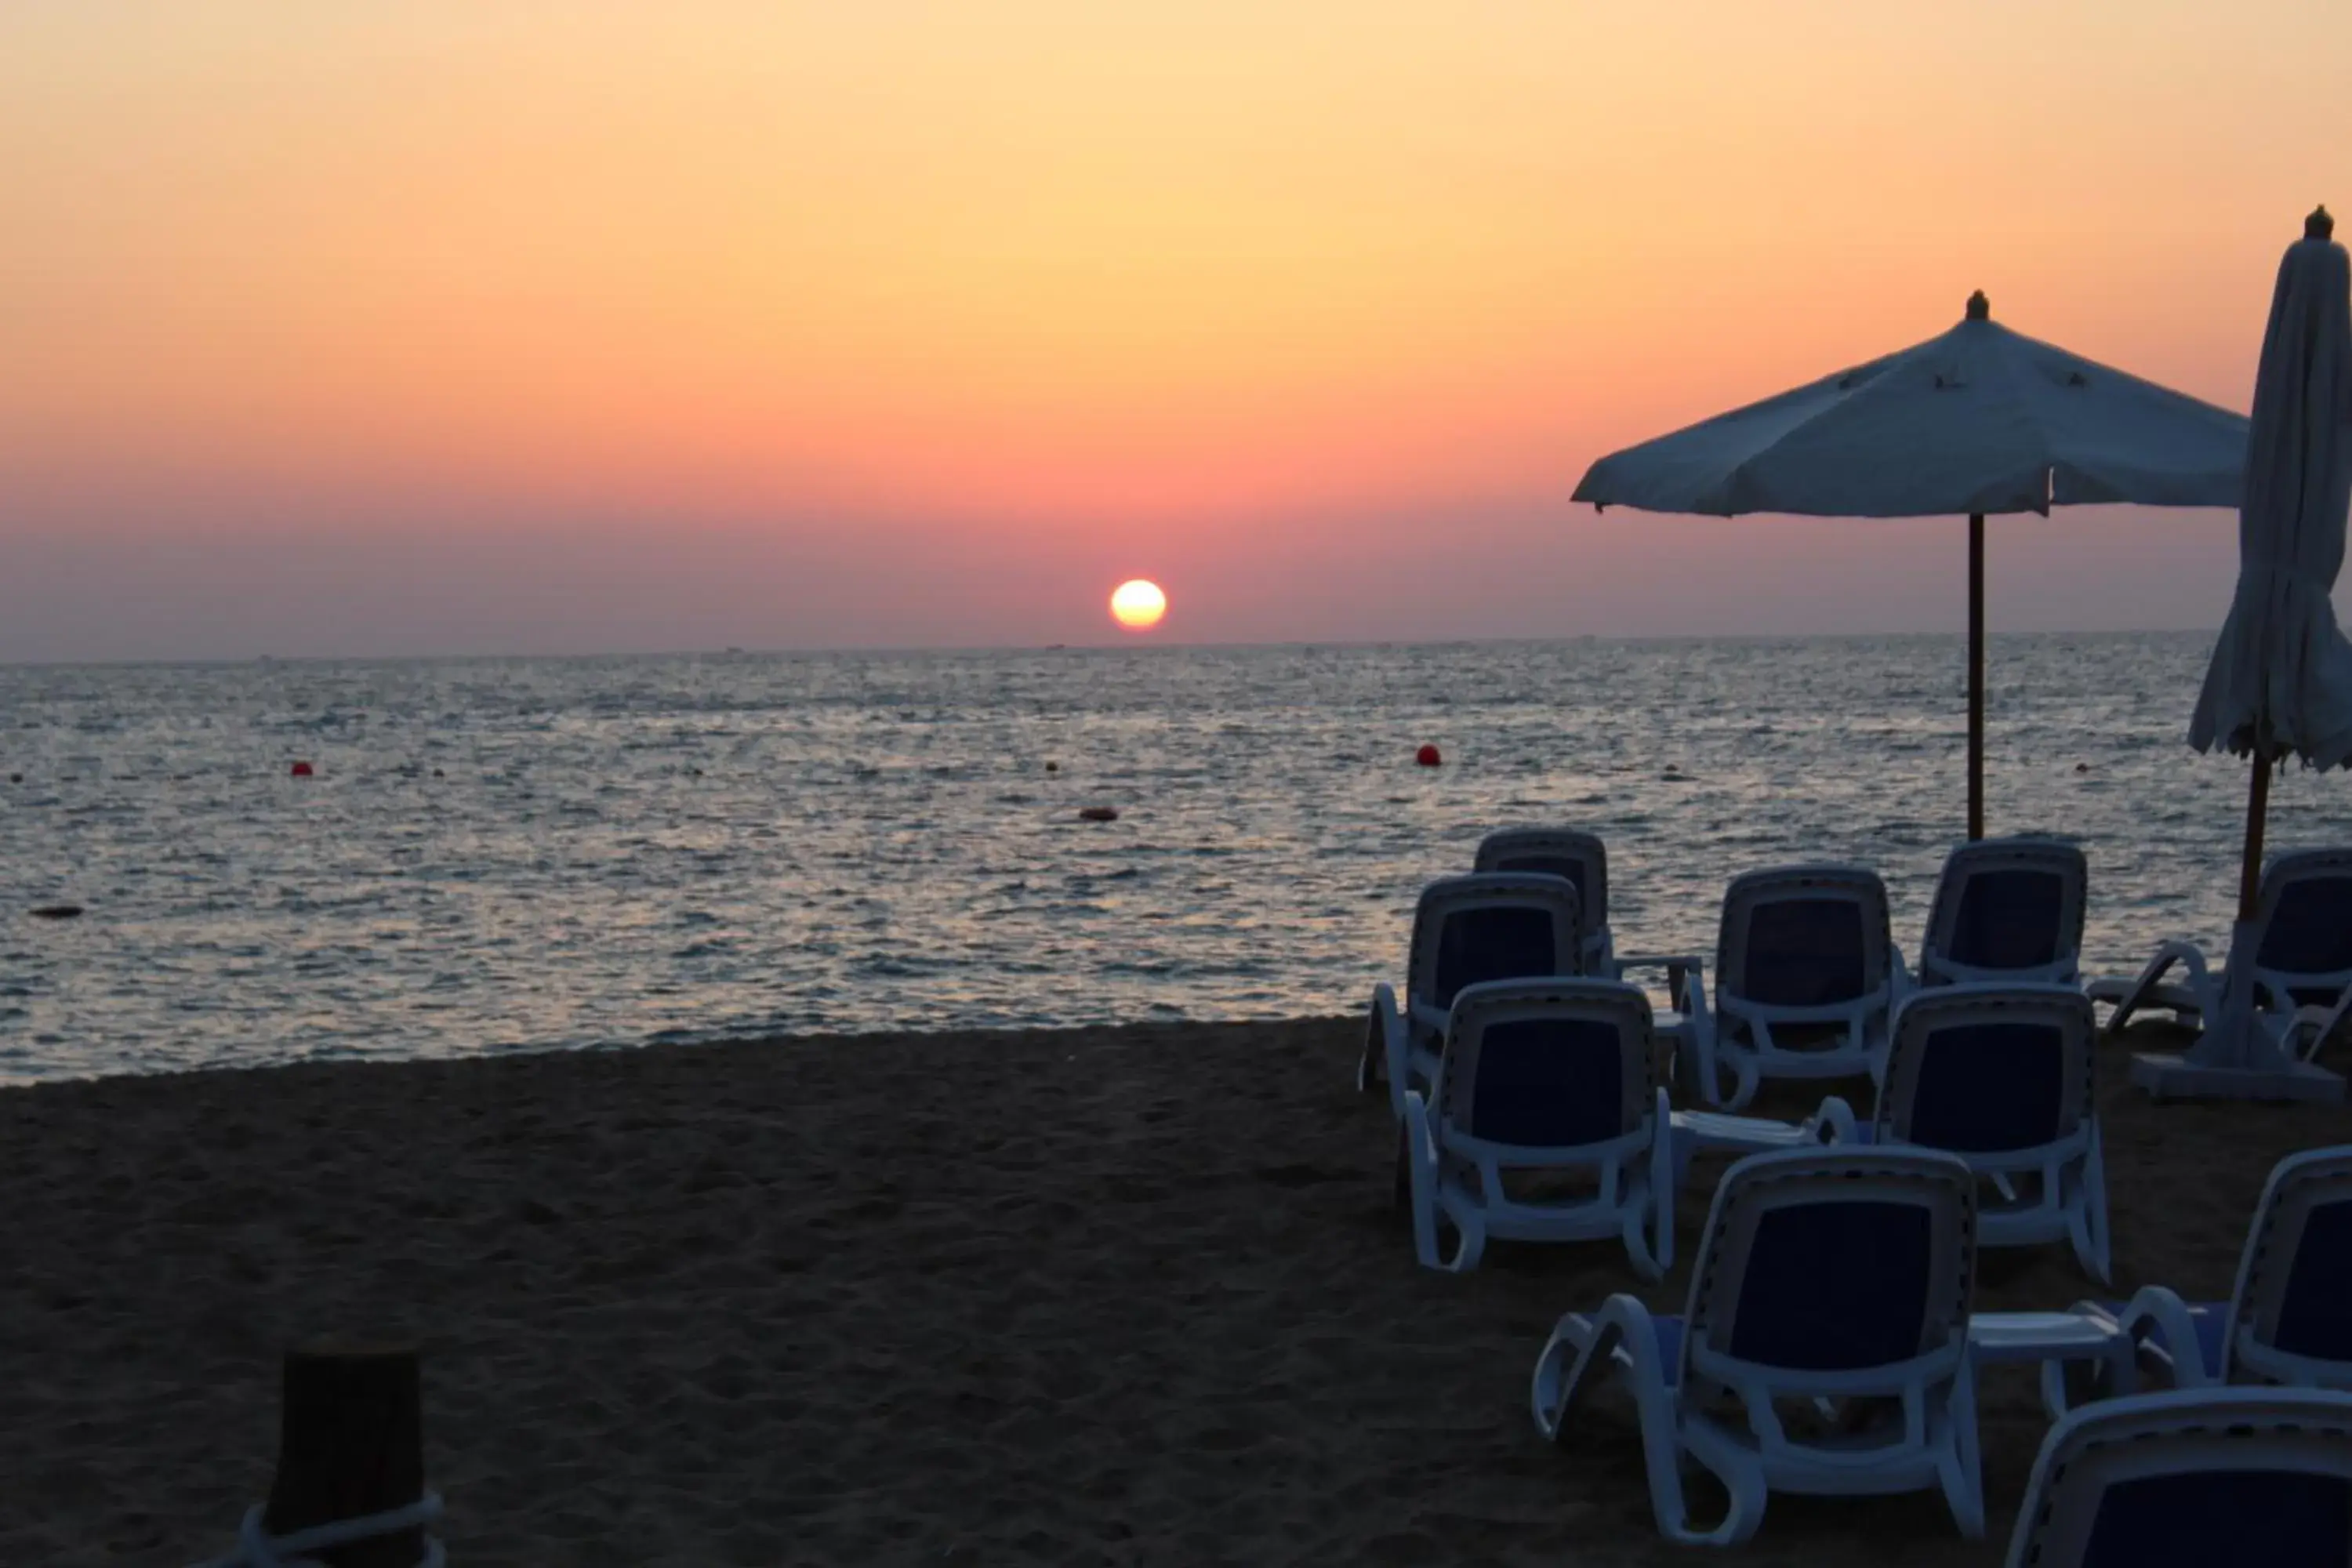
(492,855)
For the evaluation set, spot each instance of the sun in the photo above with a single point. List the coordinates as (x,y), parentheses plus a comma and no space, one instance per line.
(1137,605)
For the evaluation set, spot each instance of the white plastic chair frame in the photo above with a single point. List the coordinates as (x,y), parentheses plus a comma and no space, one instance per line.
(2184,1433)
(1402,1040)
(1508,848)
(1711,1035)
(2053,857)
(1458,1177)
(2166,1326)
(2198,994)
(2070,1171)
(1937,1444)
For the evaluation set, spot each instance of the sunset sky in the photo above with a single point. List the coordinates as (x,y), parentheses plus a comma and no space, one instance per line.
(479,327)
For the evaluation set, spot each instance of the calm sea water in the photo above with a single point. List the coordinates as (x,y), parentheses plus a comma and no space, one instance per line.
(496,854)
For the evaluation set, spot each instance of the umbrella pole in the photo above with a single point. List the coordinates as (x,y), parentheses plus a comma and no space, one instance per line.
(2258,802)
(1975,675)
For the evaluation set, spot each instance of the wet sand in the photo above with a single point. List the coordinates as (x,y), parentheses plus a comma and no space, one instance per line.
(1106,1296)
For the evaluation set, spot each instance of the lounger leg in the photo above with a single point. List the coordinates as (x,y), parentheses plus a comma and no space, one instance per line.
(1745,1080)
(1417,1168)
(1470,1243)
(1583,1349)
(2158,1315)
(2170,954)
(2054,1400)
(2314,1027)
(1657,1203)
(1703,1081)
(1961,1465)
(1563,1371)
(2111,1378)
(1743,1481)
(1389,1035)
(2086,1214)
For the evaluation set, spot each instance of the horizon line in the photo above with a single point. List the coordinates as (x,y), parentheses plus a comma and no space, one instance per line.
(1138,644)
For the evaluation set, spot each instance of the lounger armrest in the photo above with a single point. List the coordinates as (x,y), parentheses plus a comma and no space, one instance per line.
(1663,1164)
(1581,1337)
(1388,1024)
(2314,1027)
(1421,1167)
(1694,1042)
(1690,997)
(1676,965)
(1835,1118)
(2158,1317)
(2187,954)
(1593,1336)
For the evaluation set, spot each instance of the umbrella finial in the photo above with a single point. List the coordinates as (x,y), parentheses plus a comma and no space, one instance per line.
(2319,225)
(1980,308)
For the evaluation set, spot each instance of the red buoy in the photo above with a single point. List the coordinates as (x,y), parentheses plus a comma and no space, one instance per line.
(301,770)
(1428,757)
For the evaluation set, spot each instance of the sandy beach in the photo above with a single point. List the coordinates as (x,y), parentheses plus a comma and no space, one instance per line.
(1113,1296)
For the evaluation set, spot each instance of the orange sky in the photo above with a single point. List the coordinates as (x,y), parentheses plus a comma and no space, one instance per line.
(932,317)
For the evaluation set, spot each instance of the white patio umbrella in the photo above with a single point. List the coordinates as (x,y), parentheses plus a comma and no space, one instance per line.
(2281,681)
(1978,421)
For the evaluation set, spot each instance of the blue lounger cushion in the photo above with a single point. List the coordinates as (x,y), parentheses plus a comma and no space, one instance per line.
(1986,1088)
(2280,1519)
(1548,1083)
(1478,945)
(2009,919)
(1848,1289)
(1806,953)
(2314,1317)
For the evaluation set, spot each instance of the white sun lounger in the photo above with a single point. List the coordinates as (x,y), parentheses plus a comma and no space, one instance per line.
(2006,911)
(2003,1075)
(2000,1076)
(1465,930)
(1802,950)
(2193,1479)
(1543,1076)
(1583,859)
(2299,950)
(1828,1281)
(2289,1319)
(1579,858)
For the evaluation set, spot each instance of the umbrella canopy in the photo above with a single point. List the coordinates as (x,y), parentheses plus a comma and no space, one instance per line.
(1981,420)
(2281,680)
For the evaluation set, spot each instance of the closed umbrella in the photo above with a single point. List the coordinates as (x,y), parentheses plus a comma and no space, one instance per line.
(1978,421)
(2281,681)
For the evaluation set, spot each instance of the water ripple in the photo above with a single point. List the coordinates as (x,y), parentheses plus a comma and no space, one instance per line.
(497,853)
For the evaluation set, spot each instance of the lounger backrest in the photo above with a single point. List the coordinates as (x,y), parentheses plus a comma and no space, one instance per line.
(2007,904)
(2304,915)
(1554,852)
(1468,931)
(1804,936)
(2193,1476)
(1989,1070)
(2290,1315)
(1834,1261)
(1555,1064)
